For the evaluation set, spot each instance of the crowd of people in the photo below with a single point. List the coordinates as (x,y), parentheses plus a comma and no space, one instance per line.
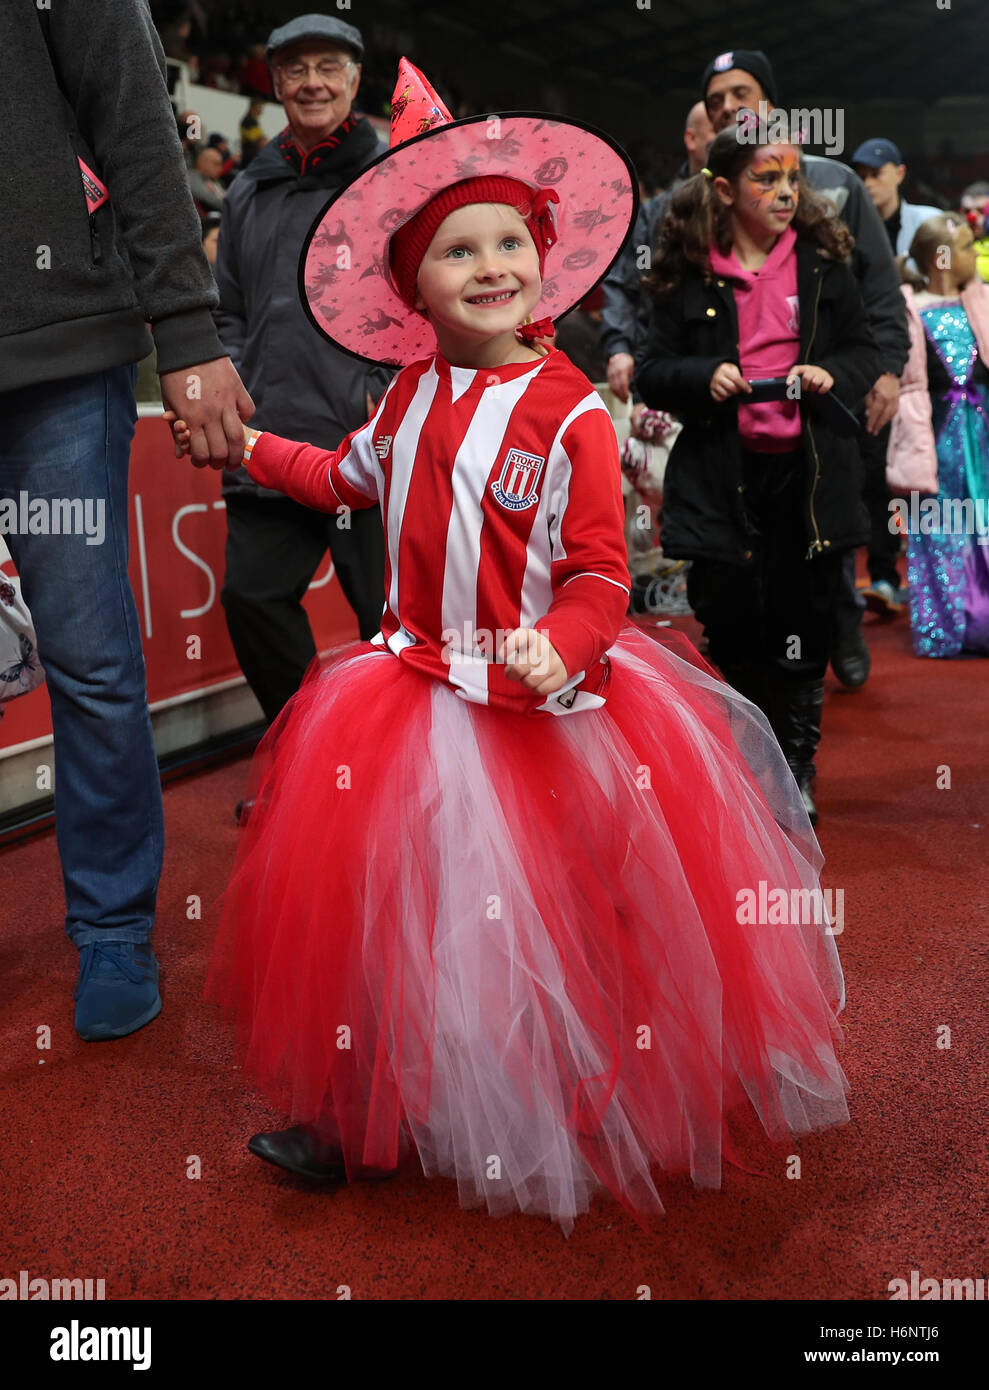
(738,587)
(800,337)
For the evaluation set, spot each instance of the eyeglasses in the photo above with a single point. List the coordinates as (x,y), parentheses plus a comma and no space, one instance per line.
(329,70)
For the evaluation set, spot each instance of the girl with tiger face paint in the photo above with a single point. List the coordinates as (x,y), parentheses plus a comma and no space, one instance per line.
(762,200)
(763,485)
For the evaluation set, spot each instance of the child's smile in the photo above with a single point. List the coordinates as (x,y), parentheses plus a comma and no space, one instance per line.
(479,278)
(496,298)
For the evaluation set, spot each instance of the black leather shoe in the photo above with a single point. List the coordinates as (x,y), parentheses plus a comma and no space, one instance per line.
(850,659)
(300,1151)
(243,811)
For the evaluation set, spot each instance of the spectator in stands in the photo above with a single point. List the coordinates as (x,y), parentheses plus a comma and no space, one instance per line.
(305,388)
(217,71)
(252,137)
(975,204)
(71,335)
(174,29)
(255,76)
(211,236)
(228,168)
(204,181)
(744,78)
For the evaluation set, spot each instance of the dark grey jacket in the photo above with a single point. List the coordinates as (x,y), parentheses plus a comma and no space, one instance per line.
(626,307)
(625,317)
(77,290)
(304,388)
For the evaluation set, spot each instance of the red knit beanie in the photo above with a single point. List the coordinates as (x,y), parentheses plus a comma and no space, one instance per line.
(411,241)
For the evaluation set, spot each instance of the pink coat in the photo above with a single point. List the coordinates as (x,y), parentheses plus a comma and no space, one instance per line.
(911,460)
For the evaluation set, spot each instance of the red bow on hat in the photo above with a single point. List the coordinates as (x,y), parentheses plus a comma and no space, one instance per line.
(532,332)
(542,218)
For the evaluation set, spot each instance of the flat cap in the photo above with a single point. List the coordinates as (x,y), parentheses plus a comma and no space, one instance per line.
(316,26)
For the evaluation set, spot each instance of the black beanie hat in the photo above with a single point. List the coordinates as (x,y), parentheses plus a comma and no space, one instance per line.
(750,60)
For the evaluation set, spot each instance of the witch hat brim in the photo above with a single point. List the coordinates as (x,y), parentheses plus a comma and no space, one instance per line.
(344,275)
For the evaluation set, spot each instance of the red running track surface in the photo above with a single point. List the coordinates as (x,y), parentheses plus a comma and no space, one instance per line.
(98,1138)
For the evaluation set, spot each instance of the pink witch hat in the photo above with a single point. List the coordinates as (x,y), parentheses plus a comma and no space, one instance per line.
(345,274)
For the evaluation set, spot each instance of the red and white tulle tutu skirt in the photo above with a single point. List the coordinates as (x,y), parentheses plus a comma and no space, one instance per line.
(514,943)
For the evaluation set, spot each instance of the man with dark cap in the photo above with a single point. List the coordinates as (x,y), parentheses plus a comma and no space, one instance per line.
(880,166)
(304,388)
(742,78)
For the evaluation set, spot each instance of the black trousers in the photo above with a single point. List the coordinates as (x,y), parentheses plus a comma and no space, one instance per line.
(274,547)
(884,545)
(774,616)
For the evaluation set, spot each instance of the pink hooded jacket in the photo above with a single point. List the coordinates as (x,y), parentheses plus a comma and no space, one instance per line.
(911,459)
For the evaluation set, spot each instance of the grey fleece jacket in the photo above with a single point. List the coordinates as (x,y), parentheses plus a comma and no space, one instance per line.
(79,290)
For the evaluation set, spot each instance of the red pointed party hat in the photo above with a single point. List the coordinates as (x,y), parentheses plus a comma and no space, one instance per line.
(345,273)
(415,106)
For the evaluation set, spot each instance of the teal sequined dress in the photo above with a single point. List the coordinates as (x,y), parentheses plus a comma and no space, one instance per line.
(948,558)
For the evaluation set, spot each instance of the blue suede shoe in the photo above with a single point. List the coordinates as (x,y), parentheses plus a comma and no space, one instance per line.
(117,989)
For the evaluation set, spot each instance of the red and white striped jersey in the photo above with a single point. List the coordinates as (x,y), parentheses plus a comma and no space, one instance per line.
(501,495)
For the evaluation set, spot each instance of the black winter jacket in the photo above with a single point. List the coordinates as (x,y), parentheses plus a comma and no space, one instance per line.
(692,332)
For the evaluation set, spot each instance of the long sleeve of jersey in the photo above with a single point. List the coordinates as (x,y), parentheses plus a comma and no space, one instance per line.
(320,479)
(587,530)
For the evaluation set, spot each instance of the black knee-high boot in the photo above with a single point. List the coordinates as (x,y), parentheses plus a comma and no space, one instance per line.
(749,679)
(795,715)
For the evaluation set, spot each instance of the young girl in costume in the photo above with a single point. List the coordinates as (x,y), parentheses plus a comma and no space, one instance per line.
(487,906)
(939,443)
(762,495)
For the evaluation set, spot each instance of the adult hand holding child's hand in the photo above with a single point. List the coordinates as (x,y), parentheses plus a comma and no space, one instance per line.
(182,438)
(213,401)
(532,659)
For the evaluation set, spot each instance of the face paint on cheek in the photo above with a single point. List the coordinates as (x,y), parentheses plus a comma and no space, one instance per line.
(760,193)
(764,193)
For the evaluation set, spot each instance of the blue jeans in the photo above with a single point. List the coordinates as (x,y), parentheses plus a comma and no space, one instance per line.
(71,439)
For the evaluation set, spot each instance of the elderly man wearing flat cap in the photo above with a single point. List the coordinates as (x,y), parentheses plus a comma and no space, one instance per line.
(303,387)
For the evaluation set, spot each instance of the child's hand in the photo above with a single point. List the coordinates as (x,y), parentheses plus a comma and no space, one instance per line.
(728,381)
(814,379)
(531,658)
(182,436)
